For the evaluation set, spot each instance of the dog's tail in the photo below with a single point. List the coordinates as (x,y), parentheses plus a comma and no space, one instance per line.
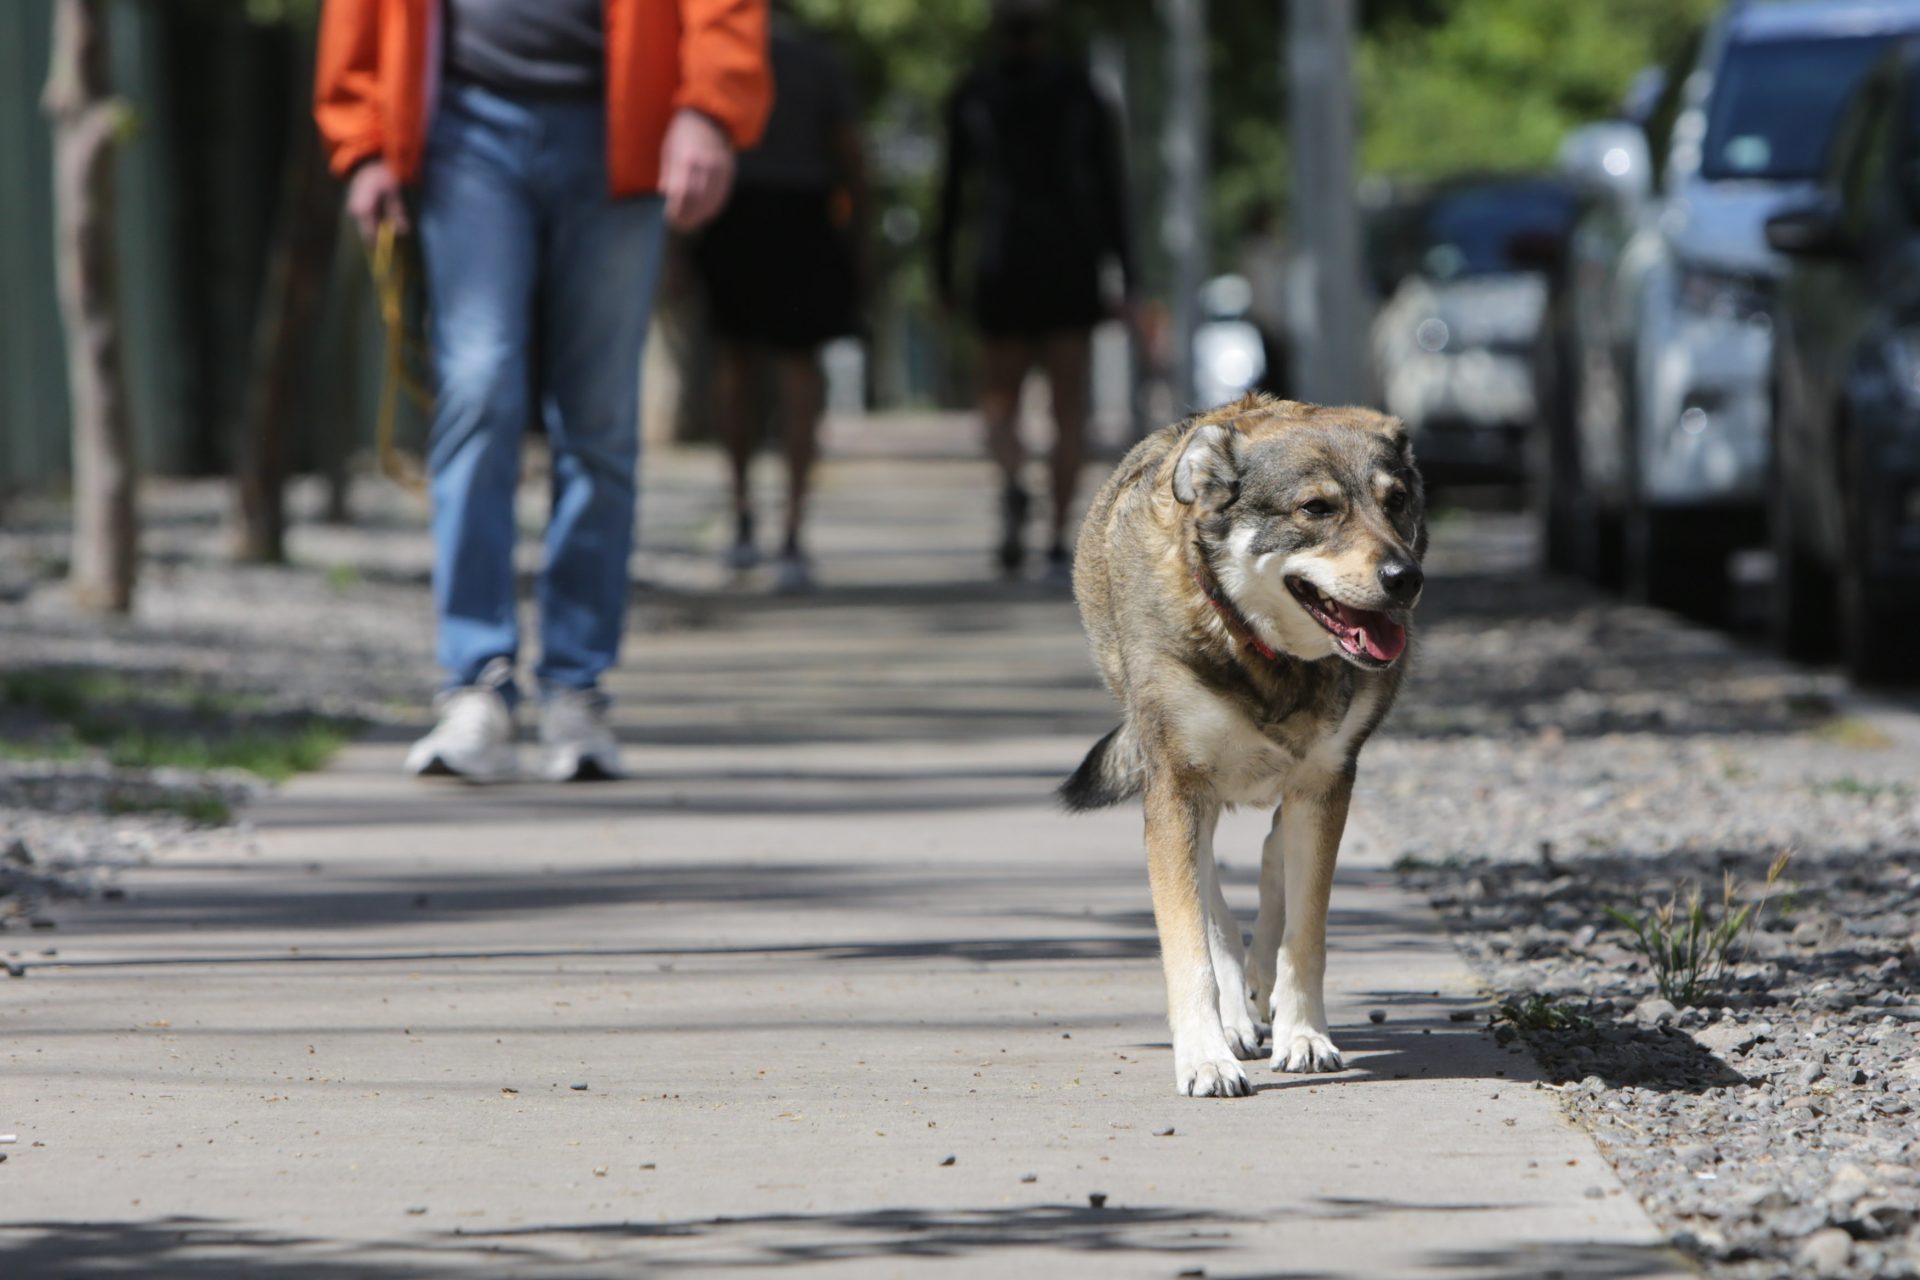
(1109,774)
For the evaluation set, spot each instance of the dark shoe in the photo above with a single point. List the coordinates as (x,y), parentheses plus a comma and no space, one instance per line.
(1014,505)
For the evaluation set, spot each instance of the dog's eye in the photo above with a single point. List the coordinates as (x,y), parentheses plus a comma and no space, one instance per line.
(1396,502)
(1317,508)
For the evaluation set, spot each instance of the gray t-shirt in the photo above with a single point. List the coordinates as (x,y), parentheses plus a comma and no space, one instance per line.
(536,48)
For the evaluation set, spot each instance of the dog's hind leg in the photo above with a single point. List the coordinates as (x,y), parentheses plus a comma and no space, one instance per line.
(1179,833)
(1269,925)
(1237,1018)
(1312,819)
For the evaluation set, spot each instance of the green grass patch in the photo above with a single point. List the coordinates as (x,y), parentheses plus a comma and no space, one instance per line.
(203,808)
(343,577)
(1848,785)
(58,747)
(270,755)
(162,722)
(1852,731)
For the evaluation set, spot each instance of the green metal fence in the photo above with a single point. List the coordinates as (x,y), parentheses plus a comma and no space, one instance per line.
(213,97)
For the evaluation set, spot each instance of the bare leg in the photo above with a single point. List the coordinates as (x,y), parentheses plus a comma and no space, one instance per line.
(1311,822)
(1003,368)
(736,392)
(802,390)
(1179,831)
(1068,359)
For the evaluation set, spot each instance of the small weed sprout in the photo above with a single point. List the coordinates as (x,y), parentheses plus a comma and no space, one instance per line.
(1689,951)
(1537,1013)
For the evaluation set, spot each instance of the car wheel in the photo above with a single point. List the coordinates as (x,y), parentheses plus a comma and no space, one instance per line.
(1677,560)
(1877,616)
(1557,506)
(1803,596)
(1876,626)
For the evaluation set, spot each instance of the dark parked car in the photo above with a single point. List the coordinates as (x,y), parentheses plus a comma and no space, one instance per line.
(1846,389)
(1462,297)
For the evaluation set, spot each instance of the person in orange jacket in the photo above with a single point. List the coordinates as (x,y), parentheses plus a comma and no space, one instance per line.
(538,148)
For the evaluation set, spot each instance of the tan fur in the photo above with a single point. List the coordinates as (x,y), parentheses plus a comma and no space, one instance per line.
(1210,723)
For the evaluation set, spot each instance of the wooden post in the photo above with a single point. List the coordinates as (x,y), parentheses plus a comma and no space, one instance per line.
(86,124)
(291,305)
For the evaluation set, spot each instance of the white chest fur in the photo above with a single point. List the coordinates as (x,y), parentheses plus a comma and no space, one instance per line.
(1247,765)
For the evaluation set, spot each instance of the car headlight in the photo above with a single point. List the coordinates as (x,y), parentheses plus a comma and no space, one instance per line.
(1723,295)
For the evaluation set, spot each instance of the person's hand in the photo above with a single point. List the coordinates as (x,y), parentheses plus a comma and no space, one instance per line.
(373,197)
(696,163)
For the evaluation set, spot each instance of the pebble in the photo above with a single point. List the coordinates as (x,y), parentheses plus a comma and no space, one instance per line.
(1376,1015)
(1655,1010)
(1825,1252)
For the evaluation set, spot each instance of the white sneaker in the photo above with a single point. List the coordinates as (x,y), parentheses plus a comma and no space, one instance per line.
(474,737)
(743,554)
(576,744)
(792,576)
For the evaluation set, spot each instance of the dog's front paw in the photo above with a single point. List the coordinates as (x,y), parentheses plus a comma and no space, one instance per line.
(1211,1078)
(1302,1049)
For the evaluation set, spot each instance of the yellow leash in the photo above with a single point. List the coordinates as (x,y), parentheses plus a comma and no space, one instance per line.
(391,267)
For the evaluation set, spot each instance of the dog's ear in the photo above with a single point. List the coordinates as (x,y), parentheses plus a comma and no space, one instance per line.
(1206,465)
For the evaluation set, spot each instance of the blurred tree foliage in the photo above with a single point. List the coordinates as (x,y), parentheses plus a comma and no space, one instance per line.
(1446,84)
(1495,84)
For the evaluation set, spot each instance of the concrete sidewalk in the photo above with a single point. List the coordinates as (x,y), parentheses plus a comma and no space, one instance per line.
(829,989)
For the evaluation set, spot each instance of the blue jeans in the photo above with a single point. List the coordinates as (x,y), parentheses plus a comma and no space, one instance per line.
(539,290)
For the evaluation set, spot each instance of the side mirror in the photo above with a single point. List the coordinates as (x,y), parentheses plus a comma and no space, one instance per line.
(1609,160)
(1811,231)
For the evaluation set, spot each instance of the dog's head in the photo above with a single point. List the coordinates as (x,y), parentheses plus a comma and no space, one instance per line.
(1312,520)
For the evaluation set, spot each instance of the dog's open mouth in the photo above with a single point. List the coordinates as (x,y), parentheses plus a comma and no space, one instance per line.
(1370,637)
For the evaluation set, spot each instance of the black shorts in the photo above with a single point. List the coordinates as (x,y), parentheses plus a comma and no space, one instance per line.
(1045,298)
(778,272)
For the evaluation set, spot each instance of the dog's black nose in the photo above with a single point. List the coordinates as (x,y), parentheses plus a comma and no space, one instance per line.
(1402,579)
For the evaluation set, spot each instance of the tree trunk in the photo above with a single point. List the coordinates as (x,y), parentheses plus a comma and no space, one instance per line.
(86,125)
(291,307)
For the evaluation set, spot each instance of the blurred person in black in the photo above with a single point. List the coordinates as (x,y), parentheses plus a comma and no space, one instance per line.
(780,269)
(1034,169)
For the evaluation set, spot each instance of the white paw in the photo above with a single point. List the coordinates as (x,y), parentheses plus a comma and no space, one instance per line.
(1302,1049)
(1242,1028)
(1212,1078)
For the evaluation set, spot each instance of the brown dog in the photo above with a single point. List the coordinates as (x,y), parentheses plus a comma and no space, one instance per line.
(1246,579)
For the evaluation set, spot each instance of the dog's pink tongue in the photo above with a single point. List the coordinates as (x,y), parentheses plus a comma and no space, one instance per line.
(1379,636)
(1383,638)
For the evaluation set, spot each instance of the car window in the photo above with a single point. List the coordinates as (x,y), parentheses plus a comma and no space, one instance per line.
(1473,230)
(1774,104)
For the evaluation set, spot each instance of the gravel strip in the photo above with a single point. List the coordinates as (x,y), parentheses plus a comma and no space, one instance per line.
(342,633)
(1559,753)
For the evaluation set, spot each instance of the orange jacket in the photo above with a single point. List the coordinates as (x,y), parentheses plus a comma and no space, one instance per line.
(378,63)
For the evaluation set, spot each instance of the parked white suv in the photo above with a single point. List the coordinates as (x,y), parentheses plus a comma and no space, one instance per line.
(1672,292)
